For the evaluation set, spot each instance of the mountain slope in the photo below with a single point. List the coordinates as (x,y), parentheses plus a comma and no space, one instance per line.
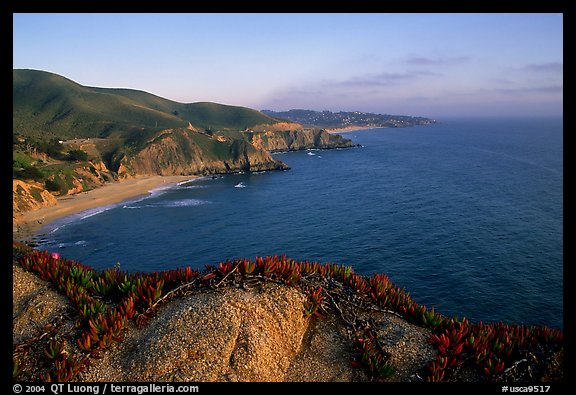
(53,106)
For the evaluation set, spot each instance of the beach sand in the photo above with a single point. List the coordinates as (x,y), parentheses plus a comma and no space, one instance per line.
(27,225)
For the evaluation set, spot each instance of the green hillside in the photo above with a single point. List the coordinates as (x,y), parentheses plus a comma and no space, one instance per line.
(215,116)
(49,105)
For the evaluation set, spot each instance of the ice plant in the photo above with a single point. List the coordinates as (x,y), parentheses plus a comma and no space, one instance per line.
(436,370)
(16,369)
(107,301)
(54,349)
(85,342)
(429,318)
(66,369)
(269,266)
(359,284)
(373,358)
(247,266)
(312,304)
(493,365)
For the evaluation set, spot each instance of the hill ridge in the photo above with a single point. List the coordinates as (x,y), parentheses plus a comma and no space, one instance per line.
(48,103)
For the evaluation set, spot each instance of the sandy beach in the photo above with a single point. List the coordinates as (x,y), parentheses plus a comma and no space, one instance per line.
(28,224)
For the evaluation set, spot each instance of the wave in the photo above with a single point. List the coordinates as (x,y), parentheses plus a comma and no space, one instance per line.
(91,214)
(194,187)
(193,181)
(67,244)
(187,181)
(62,222)
(171,203)
(56,229)
(183,203)
(311,153)
(153,193)
(158,191)
(240,185)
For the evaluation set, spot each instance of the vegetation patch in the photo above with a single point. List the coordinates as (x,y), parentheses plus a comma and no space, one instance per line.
(21,160)
(36,193)
(52,186)
(108,302)
(77,155)
(30,173)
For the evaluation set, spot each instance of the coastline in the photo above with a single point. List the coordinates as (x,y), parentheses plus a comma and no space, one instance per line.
(348,129)
(28,224)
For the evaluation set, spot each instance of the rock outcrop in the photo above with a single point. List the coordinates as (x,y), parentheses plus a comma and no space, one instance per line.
(229,334)
(188,152)
(296,140)
(30,196)
(242,329)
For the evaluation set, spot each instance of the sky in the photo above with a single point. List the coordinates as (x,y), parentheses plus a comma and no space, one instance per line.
(432,65)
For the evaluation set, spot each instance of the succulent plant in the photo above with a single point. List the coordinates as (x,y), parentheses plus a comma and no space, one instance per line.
(54,349)
(373,357)
(107,301)
(312,304)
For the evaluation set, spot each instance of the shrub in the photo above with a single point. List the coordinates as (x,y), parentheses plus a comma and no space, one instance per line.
(31,173)
(21,161)
(52,185)
(78,155)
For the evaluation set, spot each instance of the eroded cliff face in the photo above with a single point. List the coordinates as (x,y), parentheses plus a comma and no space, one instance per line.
(188,152)
(296,140)
(30,196)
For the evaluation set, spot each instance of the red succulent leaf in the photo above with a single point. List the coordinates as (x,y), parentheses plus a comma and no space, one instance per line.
(457,349)
(208,277)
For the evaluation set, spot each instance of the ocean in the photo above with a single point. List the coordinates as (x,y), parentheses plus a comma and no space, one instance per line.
(466,215)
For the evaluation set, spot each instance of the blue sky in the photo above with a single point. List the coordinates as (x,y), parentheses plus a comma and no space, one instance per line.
(436,65)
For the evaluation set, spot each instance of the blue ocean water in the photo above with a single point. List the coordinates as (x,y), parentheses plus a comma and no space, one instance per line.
(466,215)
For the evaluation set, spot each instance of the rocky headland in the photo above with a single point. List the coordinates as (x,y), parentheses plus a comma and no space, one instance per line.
(297,140)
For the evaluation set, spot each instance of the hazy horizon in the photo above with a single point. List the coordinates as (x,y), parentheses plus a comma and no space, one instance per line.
(431,65)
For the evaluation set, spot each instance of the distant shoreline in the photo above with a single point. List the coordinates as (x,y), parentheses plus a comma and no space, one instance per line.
(349,129)
(27,225)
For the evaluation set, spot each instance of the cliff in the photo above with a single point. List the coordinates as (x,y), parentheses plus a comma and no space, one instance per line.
(189,152)
(32,195)
(295,140)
